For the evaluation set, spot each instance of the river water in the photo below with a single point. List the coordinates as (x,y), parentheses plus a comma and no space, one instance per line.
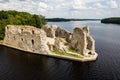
(19,65)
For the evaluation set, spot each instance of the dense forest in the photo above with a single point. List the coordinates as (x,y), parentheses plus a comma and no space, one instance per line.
(19,18)
(113,20)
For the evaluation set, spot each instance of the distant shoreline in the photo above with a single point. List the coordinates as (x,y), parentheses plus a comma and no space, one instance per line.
(112,20)
(66,20)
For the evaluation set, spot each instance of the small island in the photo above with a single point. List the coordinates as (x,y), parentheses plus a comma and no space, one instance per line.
(113,20)
(28,32)
(52,41)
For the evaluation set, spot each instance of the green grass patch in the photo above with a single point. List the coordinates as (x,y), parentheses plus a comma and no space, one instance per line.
(1,41)
(66,54)
(72,50)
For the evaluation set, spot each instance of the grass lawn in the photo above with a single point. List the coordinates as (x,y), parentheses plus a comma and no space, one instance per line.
(1,41)
(66,54)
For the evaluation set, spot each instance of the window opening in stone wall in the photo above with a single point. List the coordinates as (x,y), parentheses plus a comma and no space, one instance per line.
(89,53)
(32,32)
(7,27)
(22,30)
(32,42)
(22,39)
(14,37)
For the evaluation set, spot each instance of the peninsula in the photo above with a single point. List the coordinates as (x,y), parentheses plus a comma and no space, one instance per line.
(52,41)
(112,20)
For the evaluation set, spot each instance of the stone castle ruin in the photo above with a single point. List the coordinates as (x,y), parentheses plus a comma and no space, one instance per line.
(49,38)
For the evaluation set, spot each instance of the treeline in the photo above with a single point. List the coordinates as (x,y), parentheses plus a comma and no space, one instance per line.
(64,19)
(19,18)
(113,20)
(57,19)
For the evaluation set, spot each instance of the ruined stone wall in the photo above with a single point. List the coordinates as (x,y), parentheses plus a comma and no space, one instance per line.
(55,31)
(45,40)
(26,38)
(82,41)
(78,40)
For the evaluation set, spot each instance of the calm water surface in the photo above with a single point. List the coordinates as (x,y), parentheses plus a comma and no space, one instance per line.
(19,65)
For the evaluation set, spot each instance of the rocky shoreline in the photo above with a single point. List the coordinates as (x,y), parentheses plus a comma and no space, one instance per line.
(52,38)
